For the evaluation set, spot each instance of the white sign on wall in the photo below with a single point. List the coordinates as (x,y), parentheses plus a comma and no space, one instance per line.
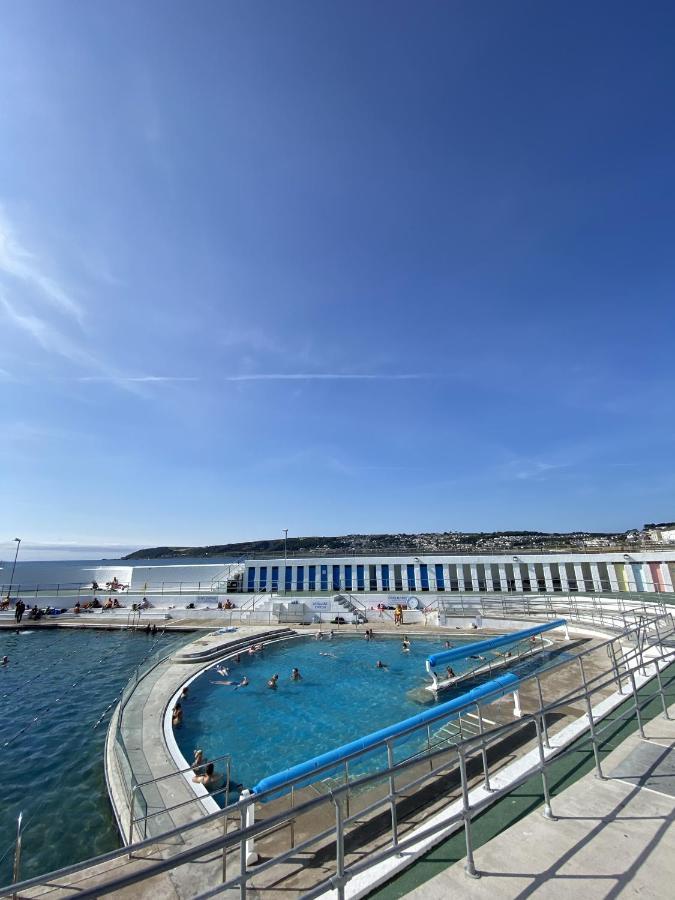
(404,600)
(320,605)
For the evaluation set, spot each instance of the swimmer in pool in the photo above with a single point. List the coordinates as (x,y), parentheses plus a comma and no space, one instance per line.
(447,644)
(380,665)
(295,674)
(177,715)
(405,646)
(222,671)
(272,682)
(5,661)
(208,778)
(451,672)
(234,684)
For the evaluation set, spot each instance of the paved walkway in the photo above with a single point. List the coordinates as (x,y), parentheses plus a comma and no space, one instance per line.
(612,837)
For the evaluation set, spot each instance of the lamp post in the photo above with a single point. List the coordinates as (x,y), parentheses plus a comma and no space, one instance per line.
(11,577)
(285,531)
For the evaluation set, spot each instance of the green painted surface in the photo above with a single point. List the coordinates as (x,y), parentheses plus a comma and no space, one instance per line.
(578,761)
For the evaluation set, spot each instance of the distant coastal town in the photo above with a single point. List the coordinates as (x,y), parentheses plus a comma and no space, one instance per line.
(426,542)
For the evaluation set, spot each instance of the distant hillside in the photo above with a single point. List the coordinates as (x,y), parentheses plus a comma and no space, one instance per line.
(439,542)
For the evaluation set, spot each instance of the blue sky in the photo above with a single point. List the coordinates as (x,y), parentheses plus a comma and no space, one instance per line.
(335,267)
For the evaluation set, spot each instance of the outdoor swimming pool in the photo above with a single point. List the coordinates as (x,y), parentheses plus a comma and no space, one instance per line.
(52,694)
(341,697)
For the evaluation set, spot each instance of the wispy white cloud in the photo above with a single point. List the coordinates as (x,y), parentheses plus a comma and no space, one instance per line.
(46,334)
(19,264)
(53,340)
(326,376)
(138,379)
(532,469)
(28,298)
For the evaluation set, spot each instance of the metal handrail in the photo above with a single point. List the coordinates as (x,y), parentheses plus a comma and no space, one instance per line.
(465,747)
(152,781)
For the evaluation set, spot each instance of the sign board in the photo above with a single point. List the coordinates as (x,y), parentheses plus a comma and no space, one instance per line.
(404,600)
(320,605)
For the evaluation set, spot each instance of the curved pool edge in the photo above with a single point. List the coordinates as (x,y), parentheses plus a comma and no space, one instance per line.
(153,751)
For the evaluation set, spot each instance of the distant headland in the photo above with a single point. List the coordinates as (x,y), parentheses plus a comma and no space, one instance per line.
(426,542)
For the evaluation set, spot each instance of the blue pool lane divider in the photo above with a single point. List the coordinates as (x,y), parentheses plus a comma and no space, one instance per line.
(306,772)
(479,647)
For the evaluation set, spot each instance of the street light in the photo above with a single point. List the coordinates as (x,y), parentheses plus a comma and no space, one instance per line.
(285,531)
(11,577)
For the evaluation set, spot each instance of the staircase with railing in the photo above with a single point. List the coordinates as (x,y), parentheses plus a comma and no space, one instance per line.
(233,572)
(352,605)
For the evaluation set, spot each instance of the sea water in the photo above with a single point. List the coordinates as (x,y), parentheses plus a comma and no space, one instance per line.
(56,688)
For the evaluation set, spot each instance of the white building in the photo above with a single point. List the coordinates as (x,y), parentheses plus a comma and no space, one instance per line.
(596,572)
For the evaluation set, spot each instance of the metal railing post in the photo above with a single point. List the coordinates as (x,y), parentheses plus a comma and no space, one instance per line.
(636,700)
(339,880)
(17,852)
(431,762)
(469,867)
(483,750)
(392,796)
(548,812)
(594,740)
(242,852)
(547,743)
(347,785)
(131,815)
(615,666)
(660,683)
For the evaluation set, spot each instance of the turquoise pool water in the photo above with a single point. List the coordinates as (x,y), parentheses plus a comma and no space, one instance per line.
(56,688)
(341,697)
